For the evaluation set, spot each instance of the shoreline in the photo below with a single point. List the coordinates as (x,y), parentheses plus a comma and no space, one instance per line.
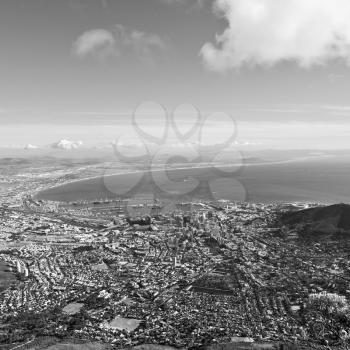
(206,166)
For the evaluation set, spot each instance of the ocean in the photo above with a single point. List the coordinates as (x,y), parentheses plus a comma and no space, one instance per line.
(309,179)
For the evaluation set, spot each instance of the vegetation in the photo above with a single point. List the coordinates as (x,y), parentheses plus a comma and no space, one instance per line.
(327,316)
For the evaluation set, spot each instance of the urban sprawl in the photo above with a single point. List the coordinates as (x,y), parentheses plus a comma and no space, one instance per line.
(202,274)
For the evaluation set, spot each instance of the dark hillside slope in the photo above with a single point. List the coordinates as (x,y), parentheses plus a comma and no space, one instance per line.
(332,219)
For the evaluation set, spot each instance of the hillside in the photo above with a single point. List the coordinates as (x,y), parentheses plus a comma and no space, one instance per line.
(327,220)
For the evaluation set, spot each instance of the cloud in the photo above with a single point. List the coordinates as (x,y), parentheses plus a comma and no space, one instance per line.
(29,146)
(102,43)
(141,44)
(267,32)
(98,42)
(66,145)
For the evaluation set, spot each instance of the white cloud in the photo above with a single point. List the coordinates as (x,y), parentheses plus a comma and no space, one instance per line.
(98,42)
(266,32)
(102,43)
(66,145)
(29,146)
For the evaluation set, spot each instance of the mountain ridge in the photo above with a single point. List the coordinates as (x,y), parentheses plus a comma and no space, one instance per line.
(323,220)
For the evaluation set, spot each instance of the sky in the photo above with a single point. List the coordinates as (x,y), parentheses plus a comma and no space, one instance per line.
(78,69)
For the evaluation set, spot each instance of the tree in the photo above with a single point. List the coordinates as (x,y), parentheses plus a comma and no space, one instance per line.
(328,304)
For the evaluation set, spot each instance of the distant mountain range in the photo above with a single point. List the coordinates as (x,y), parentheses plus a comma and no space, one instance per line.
(328,220)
